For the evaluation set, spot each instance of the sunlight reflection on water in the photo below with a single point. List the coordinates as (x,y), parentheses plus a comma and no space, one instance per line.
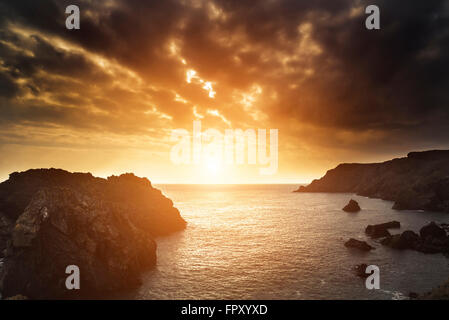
(265,242)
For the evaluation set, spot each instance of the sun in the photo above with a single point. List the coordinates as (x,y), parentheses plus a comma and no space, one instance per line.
(213,166)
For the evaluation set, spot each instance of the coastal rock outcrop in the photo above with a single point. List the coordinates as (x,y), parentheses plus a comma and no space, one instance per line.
(432,239)
(352,206)
(407,240)
(106,227)
(381,230)
(432,231)
(418,182)
(357,244)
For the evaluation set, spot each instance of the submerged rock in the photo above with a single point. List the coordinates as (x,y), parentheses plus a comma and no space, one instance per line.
(105,227)
(361,245)
(381,230)
(352,206)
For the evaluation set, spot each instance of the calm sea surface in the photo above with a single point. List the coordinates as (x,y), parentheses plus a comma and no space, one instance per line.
(265,242)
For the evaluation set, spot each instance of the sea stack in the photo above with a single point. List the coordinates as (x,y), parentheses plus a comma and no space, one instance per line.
(352,206)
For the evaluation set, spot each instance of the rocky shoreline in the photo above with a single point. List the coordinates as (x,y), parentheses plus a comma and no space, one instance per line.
(418,182)
(432,239)
(51,218)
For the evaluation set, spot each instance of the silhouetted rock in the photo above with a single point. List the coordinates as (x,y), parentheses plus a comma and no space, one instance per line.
(432,231)
(352,206)
(357,244)
(392,241)
(105,227)
(380,233)
(157,212)
(410,239)
(432,239)
(419,181)
(381,230)
(407,240)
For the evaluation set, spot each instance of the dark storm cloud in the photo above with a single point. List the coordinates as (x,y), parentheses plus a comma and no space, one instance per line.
(393,80)
(397,72)
(8,88)
(45,57)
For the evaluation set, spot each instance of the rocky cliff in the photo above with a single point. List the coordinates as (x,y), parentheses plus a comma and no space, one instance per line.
(419,181)
(50,219)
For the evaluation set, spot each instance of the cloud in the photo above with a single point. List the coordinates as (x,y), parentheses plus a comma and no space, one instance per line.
(309,68)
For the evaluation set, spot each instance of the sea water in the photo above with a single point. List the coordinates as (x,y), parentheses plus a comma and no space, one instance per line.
(266,242)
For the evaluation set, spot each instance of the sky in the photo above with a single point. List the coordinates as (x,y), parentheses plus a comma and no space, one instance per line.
(106,98)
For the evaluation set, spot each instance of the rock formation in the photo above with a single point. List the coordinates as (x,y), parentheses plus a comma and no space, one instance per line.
(50,219)
(352,206)
(407,240)
(432,230)
(432,239)
(419,181)
(357,244)
(381,230)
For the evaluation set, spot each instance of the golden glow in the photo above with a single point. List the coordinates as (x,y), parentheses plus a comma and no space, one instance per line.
(208,87)
(214,166)
(192,77)
(111,113)
(191,74)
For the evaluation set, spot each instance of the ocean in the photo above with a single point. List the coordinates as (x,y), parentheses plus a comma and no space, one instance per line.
(266,242)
